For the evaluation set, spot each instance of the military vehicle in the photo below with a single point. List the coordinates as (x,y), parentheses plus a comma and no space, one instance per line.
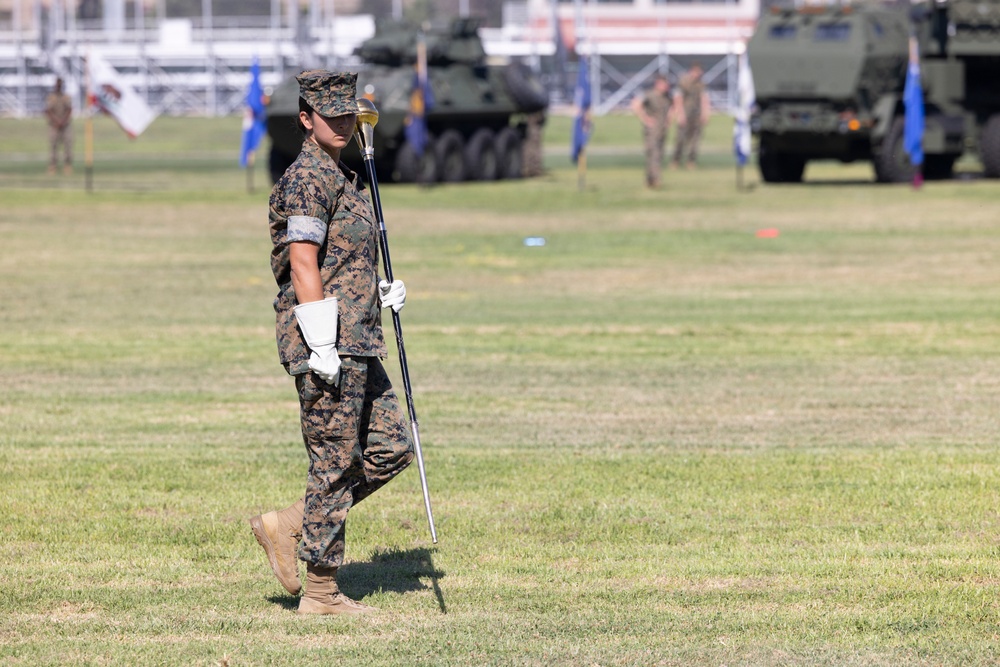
(476,123)
(829,85)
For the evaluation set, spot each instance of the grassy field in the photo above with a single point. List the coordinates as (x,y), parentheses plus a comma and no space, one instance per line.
(658,439)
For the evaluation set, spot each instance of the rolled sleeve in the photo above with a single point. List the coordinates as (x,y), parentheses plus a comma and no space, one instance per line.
(306,228)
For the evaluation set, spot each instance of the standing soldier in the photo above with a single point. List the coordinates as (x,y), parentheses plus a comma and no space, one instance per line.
(329,333)
(692,114)
(59,114)
(532,148)
(654,110)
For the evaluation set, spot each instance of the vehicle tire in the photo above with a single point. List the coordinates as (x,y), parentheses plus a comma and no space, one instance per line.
(450,158)
(430,168)
(481,156)
(278,163)
(793,166)
(778,167)
(508,150)
(989,147)
(939,167)
(525,88)
(412,168)
(892,164)
(767,161)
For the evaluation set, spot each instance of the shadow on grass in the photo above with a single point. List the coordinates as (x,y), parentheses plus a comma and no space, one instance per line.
(289,602)
(396,570)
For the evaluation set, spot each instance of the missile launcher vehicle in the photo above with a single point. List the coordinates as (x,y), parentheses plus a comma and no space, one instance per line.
(829,85)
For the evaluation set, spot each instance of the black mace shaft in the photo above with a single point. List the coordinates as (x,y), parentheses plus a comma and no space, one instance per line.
(364,140)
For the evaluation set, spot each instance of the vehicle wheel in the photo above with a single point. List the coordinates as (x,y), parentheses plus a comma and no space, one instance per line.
(793,166)
(939,167)
(412,168)
(525,88)
(767,161)
(451,161)
(278,163)
(892,164)
(508,149)
(778,167)
(481,156)
(989,147)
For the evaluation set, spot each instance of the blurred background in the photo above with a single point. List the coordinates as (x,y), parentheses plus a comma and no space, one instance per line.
(192,57)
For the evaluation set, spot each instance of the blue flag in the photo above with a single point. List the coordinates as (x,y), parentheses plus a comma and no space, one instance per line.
(581,100)
(421,100)
(254,116)
(913,101)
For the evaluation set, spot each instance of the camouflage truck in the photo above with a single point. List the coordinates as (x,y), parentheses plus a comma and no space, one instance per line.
(961,48)
(477,121)
(829,83)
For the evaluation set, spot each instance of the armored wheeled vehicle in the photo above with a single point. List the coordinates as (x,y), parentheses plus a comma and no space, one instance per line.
(829,85)
(475,114)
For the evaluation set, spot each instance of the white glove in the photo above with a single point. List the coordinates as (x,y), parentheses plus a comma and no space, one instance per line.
(393,294)
(318,322)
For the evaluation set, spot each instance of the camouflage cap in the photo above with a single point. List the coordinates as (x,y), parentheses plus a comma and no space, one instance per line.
(329,93)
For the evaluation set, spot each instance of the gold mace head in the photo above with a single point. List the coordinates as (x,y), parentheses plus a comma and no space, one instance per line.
(364,129)
(367,113)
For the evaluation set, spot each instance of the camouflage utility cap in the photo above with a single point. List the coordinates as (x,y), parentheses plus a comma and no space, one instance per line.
(329,93)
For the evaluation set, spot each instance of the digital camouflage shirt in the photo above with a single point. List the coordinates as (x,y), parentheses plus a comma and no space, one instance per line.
(58,109)
(692,91)
(657,106)
(320,202)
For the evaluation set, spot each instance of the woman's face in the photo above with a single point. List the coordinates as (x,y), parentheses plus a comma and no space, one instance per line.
(330,134)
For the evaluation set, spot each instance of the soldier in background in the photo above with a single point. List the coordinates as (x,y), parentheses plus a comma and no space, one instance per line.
(692,110)
(533,163)
(654,110)
(59,114)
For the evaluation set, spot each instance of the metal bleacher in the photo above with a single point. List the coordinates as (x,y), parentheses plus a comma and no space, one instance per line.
(200,65)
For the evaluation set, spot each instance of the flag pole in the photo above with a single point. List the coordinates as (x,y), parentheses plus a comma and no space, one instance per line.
(249,170)
(583,30)
(253,128)
(742,134)
(88,129)
(88,152)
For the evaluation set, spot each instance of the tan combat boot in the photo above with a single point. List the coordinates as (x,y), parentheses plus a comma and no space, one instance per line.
(279,533)
(322,595)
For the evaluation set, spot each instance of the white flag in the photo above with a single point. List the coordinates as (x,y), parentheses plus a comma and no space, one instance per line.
(111,94)
(744,107)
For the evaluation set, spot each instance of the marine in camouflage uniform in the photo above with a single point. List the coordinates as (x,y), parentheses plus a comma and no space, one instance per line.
(532,155)
(653,109)
(692,116)
(59,114)
(352,423)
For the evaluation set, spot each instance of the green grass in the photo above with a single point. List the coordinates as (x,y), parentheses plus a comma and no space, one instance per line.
(656,440)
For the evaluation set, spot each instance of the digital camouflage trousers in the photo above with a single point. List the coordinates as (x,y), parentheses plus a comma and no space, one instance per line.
(688,141)
(654,142)
(357,440)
